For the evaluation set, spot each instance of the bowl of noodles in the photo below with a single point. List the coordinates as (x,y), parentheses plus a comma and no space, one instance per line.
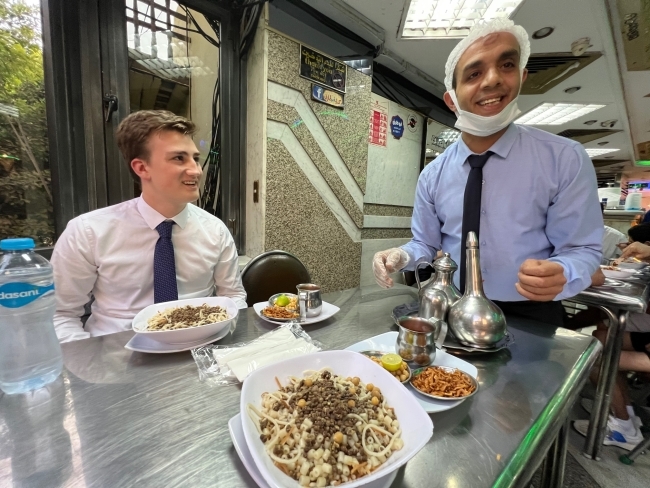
(186,321)
(331,418)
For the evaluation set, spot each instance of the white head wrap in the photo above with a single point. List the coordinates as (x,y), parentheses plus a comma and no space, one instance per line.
(482,30)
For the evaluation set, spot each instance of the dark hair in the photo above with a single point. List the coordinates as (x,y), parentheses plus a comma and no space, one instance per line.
(134,132)
(639,233)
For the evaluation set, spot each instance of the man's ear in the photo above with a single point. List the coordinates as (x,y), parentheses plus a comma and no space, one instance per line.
(140,168)
(524,76)
(449,102)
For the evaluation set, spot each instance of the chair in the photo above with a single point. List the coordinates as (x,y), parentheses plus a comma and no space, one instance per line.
(270,273)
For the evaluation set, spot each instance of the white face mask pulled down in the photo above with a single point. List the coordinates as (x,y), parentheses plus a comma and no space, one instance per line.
(481,126)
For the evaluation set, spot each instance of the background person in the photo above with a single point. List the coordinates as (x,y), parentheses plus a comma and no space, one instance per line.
(531,194)
(154,248)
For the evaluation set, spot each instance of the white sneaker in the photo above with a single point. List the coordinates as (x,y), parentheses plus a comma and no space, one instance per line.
(588,405)
(614,436)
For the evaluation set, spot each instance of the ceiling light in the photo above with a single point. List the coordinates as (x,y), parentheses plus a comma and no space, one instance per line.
(594,151)
(450,19)
(557,113)
(543,32)
(572,89)
(591,122)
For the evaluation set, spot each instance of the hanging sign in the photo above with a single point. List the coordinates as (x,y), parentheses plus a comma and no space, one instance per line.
(378,124)
(397,126)
(322,69)
(328,97)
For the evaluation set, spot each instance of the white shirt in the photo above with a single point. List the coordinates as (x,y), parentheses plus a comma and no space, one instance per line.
(108,254)
(610,239)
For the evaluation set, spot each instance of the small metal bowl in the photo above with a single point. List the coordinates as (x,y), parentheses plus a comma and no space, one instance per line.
(449,370)
(275,297)
(379,354)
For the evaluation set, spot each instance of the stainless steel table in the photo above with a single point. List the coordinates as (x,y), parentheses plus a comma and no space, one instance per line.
(122,419)
(617,303)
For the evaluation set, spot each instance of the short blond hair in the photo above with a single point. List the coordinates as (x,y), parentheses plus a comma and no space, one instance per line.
(134,132)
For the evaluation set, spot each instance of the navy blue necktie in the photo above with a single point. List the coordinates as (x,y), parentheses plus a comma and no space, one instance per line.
(165,288)
(472,207)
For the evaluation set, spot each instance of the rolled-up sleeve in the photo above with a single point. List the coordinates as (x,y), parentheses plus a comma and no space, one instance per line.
(575,222)
(425,225)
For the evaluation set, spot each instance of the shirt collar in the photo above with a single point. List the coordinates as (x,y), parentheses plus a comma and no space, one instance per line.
(501,148)
(153,218)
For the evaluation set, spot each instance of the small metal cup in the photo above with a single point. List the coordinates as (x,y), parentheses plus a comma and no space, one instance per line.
(418,339)
(309,300)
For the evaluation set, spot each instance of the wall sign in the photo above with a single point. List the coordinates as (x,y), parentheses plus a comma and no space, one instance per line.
(326,96)
(322,69)
(397,126)
(412,123)
(378,124)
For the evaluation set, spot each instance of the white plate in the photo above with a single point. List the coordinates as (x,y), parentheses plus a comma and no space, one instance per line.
(416,425)
(142,343)
(619,274)
(386,343)
(327,311)
(239,441)
(180,337)
(634,266)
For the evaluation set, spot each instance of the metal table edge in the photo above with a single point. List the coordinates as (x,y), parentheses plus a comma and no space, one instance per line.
(535,444)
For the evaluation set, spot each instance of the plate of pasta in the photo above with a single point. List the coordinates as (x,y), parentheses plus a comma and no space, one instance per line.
(331,418)
(186,321)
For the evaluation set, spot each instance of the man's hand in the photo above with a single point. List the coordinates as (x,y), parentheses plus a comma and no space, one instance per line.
(636,250)
(539,280)
(386,262)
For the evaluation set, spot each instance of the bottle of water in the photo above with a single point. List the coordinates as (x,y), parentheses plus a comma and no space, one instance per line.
(30,354)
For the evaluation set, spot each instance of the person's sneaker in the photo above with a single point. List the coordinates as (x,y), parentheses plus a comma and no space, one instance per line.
(613,437)
(588,405)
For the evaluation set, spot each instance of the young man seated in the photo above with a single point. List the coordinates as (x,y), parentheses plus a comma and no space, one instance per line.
(155,248)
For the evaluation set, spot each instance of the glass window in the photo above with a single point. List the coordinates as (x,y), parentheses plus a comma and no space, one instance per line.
(26,207)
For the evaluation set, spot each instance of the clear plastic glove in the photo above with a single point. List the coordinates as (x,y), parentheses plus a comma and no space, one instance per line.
(386,262)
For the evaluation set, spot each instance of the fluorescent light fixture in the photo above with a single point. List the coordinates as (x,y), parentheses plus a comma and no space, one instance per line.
(597,151)
(450,19)
(557,113)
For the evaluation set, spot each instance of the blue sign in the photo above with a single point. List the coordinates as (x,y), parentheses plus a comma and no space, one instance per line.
(16,295)
(397,126)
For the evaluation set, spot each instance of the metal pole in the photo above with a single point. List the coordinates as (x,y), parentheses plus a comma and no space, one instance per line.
(606,381)
(562,442)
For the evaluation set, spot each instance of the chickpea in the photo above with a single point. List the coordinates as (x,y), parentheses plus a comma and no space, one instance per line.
(376,392)
(302,402)
(375,401)
(352,390)
(308,382)
(355,381)
(370,387)
(351,403)
(338,437)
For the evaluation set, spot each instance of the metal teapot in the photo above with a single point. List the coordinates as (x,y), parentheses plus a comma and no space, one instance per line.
(474,319)
(437,297)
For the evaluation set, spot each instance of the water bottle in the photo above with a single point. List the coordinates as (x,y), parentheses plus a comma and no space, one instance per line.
(30,354)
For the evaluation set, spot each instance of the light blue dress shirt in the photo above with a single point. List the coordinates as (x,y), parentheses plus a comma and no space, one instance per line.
(539,201)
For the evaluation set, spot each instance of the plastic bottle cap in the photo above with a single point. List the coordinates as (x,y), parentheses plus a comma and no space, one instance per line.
(17,244)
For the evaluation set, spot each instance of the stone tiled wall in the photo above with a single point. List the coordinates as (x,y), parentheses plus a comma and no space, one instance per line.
(348,128)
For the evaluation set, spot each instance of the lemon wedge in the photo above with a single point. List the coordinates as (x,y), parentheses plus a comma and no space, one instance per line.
(282,301)
(391,362)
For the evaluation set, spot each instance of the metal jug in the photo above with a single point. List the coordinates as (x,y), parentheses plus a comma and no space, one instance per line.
(431,303)
(474,319)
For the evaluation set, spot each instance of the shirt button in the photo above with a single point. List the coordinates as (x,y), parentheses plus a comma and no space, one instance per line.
(483,243)
(483,182)
(483,212)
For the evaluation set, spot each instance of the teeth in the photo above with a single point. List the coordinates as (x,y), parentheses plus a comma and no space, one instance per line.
(491,100)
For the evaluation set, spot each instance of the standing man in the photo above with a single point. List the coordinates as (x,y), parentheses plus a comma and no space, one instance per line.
(530,196)
(155,248)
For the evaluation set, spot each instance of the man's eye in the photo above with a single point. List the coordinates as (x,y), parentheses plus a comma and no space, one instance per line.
(509,64)
(472,75)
